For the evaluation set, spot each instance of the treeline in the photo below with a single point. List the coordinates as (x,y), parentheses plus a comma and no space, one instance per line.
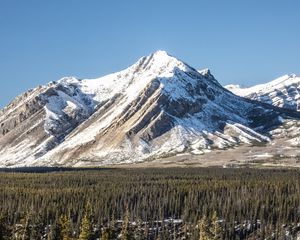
(150,204)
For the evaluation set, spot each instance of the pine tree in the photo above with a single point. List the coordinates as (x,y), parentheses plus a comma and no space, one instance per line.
(86,228)
(215,228)
(126,231)
(111,231)
(138,233)
(204,229)
(65,227)
(54,232)
(106,234)
(114,229)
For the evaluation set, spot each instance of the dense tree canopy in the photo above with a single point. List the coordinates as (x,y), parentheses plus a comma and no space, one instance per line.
(149,203)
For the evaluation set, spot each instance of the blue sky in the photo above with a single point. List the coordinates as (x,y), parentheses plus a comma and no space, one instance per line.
(246,42)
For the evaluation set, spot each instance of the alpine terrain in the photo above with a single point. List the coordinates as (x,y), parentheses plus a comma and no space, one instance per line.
(159,108)
(282,92)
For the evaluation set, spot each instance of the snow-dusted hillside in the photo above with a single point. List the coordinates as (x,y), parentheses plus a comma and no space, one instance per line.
(157,107)
(282,92)
(39,120)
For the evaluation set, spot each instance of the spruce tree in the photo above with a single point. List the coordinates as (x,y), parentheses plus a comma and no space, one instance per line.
(106,234)
(85,228)
(204,233)
(138,233)
(215,228)
(126,231)
(53,231)
(65,227)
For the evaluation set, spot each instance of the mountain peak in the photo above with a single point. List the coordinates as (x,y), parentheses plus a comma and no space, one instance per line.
(68,80)
(156,107)
(293,75)
(160,64)
(161,53)
(205,71)
(281,92)
(162,57)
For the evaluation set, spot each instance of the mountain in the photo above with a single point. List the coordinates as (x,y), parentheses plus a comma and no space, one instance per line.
(159,107)
(282,92)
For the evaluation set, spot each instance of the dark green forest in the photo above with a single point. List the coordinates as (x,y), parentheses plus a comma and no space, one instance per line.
(177,203)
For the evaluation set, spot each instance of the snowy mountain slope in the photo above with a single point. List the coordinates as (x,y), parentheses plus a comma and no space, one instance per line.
(157,107)
(282,92)
(38,120)
(166,108)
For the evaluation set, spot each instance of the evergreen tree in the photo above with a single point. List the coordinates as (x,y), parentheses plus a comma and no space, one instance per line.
(215,228)
(107,234)
(126,231)
(65,227)
(112,226)
(204,233)
(138,233)
(85,228)
(51,234)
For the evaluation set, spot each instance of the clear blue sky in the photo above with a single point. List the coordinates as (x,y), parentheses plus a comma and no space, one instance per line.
(246,42)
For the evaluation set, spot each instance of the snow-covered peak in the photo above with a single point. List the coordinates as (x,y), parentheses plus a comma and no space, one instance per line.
(208,75)
(131,80)
(158,106)
(161,53)
(161,62)
(282,81)
(281,92)
(205,71)
(277,84)
(68,80)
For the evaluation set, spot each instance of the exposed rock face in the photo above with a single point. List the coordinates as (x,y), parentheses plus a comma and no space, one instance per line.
(158,106)
(38,121)
(282,92)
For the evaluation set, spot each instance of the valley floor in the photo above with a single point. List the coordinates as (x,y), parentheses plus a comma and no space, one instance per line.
(273,155)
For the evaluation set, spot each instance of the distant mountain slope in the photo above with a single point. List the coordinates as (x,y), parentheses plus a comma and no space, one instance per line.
(158,107)
(39,120)
(282,92)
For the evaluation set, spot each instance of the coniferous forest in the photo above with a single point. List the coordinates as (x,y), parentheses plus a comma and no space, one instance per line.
(177,203)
